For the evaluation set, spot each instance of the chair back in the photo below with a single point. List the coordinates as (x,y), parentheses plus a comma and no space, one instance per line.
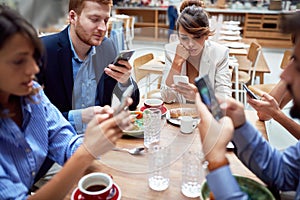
(139,61)
(286,58)
(253,56)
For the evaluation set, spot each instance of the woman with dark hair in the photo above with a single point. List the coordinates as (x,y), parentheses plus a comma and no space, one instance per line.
(31,128)
(195,56)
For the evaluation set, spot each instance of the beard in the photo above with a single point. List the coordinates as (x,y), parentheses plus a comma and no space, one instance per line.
(86,37)
(295,110)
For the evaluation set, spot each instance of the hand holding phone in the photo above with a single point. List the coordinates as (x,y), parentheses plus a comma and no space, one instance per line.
(208,96)
(249,92)
(123,55)
(128,92)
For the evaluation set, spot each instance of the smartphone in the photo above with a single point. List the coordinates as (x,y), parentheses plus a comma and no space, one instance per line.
(208,96)
(249,92)
(128,92)
(180,78)
(123,55)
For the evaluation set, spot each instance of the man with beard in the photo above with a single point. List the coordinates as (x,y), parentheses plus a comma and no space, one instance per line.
(279,170)
(79,78)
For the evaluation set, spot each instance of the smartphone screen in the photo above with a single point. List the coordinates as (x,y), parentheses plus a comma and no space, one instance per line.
(123,55)
(208,96)
(128,92)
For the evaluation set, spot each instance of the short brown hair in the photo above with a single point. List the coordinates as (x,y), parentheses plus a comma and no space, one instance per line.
(193,18)
(78,5)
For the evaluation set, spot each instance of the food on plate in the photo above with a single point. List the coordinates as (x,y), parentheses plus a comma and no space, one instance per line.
(178,112)
(136,120)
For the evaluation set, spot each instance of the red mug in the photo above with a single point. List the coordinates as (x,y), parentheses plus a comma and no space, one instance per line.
(154,103)
(95,186)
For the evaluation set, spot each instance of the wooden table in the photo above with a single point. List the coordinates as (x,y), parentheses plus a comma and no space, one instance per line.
(154,66)
(262,66)
(130,172)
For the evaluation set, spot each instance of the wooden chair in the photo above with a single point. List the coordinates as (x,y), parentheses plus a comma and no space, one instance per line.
(266,88)
(242,77)
(141,74)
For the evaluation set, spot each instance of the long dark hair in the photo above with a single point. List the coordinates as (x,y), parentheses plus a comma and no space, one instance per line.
(11,23)
(193,18)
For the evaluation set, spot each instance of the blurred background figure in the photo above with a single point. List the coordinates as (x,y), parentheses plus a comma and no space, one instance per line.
(172,15)
(40,13)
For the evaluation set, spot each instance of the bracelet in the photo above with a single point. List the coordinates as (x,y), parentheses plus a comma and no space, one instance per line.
(215,165)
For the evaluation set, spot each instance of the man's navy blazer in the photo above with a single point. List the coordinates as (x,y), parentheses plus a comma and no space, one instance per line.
(57,74)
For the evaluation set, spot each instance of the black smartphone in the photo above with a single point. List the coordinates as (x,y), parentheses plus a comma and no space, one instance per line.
(208,96)
(249,92)
(128,92)
(123,55)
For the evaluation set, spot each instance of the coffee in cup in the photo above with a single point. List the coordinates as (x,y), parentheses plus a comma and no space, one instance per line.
(95,186)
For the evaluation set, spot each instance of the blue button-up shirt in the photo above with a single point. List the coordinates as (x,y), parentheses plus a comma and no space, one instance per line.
(85,87)
(23,149)
(278,169)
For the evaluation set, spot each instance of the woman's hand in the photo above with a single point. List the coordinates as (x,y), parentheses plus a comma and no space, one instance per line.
(104,130)
(181,56)
(182,52)
(188,90)
(87,114)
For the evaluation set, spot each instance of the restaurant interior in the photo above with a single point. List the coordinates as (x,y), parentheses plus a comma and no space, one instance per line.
(143,26)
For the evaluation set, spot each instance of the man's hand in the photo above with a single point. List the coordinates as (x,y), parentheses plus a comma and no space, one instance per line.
(87,114)
(266,108)
(119,73)
(215,135)
(234,110)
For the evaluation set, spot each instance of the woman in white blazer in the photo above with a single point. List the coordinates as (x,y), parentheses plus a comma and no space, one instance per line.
(194,55)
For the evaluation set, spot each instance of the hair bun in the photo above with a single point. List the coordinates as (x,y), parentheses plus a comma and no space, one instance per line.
(188,3)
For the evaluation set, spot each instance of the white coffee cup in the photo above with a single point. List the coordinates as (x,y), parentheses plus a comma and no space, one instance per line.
(95,186)
(187,124)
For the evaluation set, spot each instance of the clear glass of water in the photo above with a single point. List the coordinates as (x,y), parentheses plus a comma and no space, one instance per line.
(159,164)
(192,174)
(152,126)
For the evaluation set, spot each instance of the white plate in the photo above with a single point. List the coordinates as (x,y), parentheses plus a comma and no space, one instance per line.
(230,32)
(230,38)
(232,22)
(237,45)
(136,133)
(177,121)
(178,112)
(231,27)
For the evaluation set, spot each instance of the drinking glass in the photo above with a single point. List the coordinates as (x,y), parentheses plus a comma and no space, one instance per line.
(192,174)
(152,126)
(159,161)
